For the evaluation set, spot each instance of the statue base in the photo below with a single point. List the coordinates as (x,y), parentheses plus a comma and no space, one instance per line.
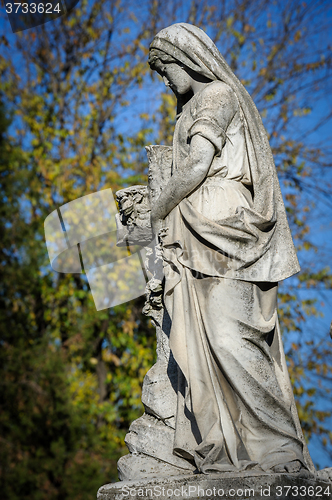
(227,485)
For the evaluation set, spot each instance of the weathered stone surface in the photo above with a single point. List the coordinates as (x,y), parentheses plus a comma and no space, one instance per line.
(153,437)
(160,169)
(133,222)
(160,403)
(159,391)
(325,474)
(135,466)
(251,484)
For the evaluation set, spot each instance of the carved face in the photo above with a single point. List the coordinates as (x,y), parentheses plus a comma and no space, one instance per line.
(174,77)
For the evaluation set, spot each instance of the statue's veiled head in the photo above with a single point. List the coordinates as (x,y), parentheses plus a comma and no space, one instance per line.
(185,56)
(187,46)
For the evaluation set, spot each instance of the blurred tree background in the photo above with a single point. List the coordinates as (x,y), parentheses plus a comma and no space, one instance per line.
(78,104)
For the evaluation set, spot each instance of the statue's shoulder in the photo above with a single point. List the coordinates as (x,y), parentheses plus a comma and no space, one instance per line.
(218,92)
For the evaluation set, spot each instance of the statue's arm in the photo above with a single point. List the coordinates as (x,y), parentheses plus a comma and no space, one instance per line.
(184,180)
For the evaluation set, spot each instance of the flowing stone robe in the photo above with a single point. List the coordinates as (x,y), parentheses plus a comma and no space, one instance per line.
(227,246)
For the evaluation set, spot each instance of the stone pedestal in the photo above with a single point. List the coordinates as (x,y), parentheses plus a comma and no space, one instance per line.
(236,486)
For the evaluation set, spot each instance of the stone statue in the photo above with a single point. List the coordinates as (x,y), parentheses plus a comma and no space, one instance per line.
(219,399)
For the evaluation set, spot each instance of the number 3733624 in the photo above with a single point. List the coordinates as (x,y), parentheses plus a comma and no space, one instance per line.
(32,8)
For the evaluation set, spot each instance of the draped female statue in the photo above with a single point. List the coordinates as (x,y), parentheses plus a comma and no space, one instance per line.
(227,246)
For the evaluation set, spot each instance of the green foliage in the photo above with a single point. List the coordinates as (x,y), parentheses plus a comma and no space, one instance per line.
(70,376)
